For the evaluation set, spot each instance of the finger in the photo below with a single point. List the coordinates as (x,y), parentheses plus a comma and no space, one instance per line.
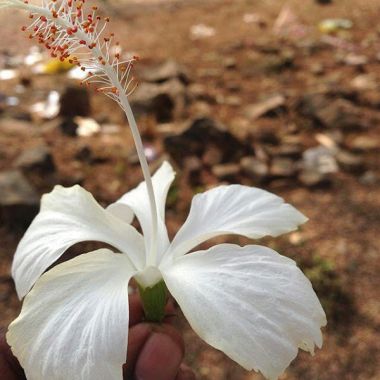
(10,368)
(136,311)
(161,356)
(185,373)
(137,337)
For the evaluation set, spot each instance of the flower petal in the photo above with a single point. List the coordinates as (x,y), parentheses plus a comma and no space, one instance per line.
(250,302)
(235,209)
(74,322)
(136,202)
(69,216)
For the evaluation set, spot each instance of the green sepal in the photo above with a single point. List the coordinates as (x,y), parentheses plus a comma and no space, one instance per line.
(154,300)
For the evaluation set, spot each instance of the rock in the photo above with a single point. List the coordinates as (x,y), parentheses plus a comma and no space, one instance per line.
(167,70)
(317,68)
(49,108)
(229,63)
(84,154)
(75,101)
(350,162)
(199,92)
(201,109)
(286,150)
(269,106)
(355,60)
(282,168)
(333,113)
(254,168)
(364,144)
(364,82)
(369,178)
(19,202)
(232,100)
(204,134)
(319,159)
(312,178)
(226,171)
(370,98)
(213,155)
(164,101)
(86,126)
(275,63)
(68,127)
(210,72)
(37,159)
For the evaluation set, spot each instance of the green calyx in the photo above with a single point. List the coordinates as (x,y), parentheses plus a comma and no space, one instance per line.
(154,301)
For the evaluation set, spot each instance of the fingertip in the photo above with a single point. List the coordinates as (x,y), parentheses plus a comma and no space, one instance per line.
(137,337)
(160,358)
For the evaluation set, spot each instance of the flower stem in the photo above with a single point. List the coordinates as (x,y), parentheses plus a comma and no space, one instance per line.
(154,301)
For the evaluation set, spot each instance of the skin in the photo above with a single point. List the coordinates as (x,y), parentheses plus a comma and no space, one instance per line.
(155,351)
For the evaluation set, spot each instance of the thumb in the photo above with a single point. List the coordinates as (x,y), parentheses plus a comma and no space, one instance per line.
(161,355)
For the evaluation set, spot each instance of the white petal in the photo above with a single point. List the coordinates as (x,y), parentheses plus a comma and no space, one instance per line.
(69,216)
(137,202)
(74,322)
(250,302)
(235,209)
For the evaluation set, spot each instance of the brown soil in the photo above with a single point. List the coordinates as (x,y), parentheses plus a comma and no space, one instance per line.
(337,248)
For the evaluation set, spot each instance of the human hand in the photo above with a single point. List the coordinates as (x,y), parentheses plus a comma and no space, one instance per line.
(155,351)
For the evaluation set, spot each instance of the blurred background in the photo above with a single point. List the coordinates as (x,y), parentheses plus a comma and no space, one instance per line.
(284,95)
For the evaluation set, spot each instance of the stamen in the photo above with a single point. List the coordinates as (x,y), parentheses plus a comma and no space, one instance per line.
(67,31)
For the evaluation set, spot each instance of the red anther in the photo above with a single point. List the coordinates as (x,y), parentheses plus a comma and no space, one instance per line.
(107,19)
(103,62)
(98,18)
(94,8)
(117,56)
(54,14)
(106,39)
(71,61)
(47,46)
(136,57)
(30,36)
(83,69)
(70,3)
(114,90)
(35,29)
(31,16)
(74,29)
(112,34)
(43,18)
(23,28)
(54,55)
(91,30)
(26,2)
(92,45)
(90,74)
(62,59)
(82,42)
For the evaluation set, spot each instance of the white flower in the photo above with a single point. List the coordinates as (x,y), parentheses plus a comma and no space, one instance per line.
(250,302)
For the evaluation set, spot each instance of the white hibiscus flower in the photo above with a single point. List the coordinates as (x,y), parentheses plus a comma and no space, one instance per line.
(250,302)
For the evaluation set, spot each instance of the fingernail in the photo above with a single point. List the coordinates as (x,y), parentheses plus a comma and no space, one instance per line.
(159,359)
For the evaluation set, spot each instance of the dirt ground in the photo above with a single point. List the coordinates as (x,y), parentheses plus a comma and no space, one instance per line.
(243,63)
